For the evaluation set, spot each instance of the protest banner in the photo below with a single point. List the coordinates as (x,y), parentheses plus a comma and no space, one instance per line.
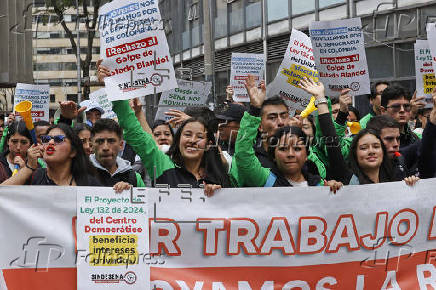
(425,76)
(431,40)
(187,94)
(297,63)
(39,95)
(113,231)
(100,97)
(242,65)
(242,238)
(134,47)
(339,50)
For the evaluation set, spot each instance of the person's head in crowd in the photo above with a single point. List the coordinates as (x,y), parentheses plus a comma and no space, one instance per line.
(389,131)
(107,137)
(335,107)
(288,148)
(395,102)
(163,134)
(274,114)
(93,111)
(190,150)
(353,114)
(375,97)
(2,128)
(309,126)
(422,116)
(368,158)
(18,140)
(206,114)
(229,122)
(83,131)
(41,128)
(2,120)
(63,150)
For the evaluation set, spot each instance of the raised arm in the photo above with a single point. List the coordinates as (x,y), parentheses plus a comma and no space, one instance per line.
(154,160)
(337,168)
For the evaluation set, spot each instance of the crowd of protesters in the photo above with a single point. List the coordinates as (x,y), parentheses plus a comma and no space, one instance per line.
(259,144)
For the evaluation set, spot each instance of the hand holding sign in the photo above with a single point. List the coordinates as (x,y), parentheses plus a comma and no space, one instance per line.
(345,100)
(417,103)
(257,95)
(314,88)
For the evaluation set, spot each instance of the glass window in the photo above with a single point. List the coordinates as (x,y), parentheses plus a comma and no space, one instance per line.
(236,17)
(52,98)
(326,3)
(380,62)
(221,19)
(302,6)
(186,40)
(405,59)
(277,9)
(253,14)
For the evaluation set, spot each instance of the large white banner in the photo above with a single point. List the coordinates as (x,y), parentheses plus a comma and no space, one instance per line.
(134,47)
(187,94)
(425,76)
(297,64)
(39,95)
(339,50)
(242,65)
(378,236)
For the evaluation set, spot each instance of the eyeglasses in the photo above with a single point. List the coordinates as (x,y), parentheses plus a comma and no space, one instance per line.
(397,107)
(58,139)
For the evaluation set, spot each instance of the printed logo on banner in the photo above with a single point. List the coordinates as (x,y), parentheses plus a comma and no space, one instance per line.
(128,277)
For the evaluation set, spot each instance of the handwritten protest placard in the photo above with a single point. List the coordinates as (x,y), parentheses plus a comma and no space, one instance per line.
(100,97)
(242,65)
(39,95)
(297,63)
(425,76)
(134,47)
(188,94)
(339,50)
(113,231)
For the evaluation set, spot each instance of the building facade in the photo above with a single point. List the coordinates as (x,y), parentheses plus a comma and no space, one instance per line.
(390,29)
(15,47)
(53,60)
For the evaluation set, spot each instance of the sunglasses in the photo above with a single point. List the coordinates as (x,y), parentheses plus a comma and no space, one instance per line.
(58,139)
(397,107)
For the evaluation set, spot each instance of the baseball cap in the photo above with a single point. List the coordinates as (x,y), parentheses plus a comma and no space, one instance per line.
(232,113)
(90,105)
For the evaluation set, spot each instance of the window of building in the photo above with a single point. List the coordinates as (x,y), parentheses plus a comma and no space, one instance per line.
(380,62)
(301,7)
(253,13)
(220,19)
(72,97)
(277,10)
(236,16)
(326,3)
(52,98)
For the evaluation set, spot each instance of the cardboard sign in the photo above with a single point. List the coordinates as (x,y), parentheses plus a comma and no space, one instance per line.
(39,95)
(244,64)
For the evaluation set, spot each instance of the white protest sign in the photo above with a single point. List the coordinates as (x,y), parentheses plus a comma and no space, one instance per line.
(425,77)
(100,97)
(135,49)
(431,40)
(339,50)
(113,230)
(242,65)
(39,95)
(297,63)
(188,94)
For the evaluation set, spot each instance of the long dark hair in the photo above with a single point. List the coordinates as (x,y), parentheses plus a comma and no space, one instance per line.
(274,141)
(211,161)
(80,164)
(13,128)
(386,173)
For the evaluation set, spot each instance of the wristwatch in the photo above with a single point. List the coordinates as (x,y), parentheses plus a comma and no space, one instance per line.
(320,101)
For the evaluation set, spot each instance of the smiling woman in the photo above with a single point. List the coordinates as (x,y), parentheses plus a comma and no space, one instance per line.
(191,158)
(66,161)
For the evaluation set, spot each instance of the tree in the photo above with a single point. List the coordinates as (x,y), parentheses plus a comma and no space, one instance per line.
(59,7)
